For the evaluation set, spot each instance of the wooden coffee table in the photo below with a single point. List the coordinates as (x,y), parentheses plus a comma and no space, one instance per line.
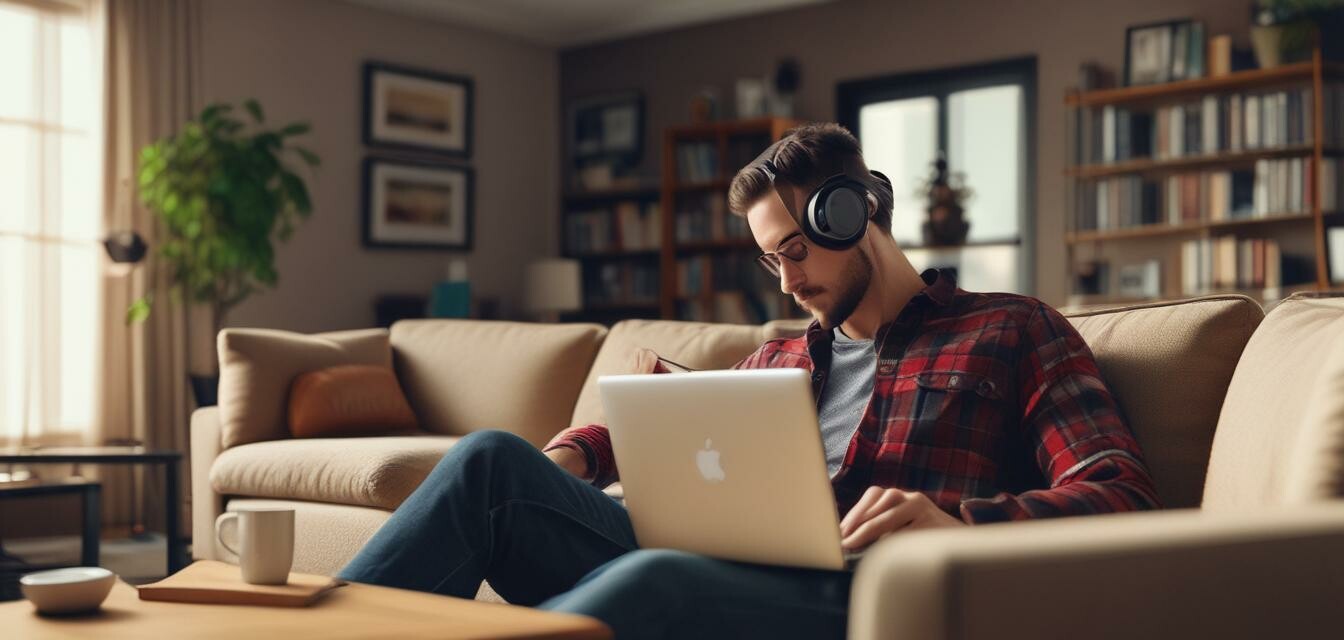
(352,611)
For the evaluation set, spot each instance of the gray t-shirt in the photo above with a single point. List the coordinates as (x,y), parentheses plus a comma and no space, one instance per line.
(845,395)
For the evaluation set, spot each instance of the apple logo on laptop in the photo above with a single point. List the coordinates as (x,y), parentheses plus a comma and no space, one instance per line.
(707,460)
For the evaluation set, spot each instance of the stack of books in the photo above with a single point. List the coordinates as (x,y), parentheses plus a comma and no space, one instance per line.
(1217,123)
(1273,188)
(625,226)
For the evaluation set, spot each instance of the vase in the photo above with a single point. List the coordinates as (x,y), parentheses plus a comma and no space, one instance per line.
(1266,41)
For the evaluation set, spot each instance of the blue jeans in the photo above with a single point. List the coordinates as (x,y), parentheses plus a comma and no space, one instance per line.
(495,508)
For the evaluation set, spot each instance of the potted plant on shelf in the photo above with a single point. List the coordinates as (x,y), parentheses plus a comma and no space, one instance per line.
(225,191)
(946,192)
(1285,31)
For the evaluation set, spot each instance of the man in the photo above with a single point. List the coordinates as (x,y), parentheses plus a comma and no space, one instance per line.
(937,408)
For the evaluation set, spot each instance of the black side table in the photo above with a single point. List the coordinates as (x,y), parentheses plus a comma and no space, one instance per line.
(90,501)
(177,556)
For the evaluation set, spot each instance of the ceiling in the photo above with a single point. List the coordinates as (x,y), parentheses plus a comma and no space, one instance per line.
(571,23)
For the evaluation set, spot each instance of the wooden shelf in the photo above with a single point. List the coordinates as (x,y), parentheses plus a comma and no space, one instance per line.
(710,130)
(702,186)
(1311,224)
(614,255)
(1169,165)
(628,193)
(1163,229)
(965,245)
(1301,71)
(718,245)
(1263,295)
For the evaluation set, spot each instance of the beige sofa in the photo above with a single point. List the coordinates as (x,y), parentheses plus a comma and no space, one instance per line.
(1267,534)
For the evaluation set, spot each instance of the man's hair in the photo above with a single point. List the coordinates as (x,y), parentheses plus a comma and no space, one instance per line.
(806,156)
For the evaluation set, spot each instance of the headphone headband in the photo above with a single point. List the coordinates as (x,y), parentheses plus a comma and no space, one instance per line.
(836,215)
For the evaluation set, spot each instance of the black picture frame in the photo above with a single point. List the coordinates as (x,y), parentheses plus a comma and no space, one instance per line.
(1162,68)
(372,238)
(585,120)
(404,140)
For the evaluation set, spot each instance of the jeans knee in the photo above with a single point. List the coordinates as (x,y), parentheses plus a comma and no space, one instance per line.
(654,566)
(489,443)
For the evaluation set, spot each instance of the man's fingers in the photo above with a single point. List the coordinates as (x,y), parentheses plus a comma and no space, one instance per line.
(886,522)
(887,499)
(856,512)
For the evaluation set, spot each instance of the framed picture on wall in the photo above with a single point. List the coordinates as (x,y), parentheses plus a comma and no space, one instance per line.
(607,128)
(1148,53)
(417,110)
(410,205)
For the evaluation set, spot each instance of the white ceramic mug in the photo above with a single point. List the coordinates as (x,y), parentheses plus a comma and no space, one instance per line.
(265,543)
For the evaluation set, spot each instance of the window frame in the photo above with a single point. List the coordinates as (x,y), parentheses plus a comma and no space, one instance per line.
(853,95)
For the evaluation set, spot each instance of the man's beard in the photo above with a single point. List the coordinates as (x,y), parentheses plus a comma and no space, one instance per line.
(858,274)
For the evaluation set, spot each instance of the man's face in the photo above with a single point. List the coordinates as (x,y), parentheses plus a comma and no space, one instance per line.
(828,284)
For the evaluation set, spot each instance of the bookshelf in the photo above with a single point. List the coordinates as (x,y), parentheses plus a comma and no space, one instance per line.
(1211,185)
(616,235)
(708,259)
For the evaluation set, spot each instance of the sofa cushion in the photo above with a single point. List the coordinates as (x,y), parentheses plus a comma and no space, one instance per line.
(465,375)
(788,329)
(1317,472)
(256,367)
(698,345)
(368,472)
(1168,364)
(1266,415)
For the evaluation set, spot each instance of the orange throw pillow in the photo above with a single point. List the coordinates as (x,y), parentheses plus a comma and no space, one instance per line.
(348,400)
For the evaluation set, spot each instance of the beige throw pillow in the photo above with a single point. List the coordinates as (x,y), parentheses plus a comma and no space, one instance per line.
(257,366)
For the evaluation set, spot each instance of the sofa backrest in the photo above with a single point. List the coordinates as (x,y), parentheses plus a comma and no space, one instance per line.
(698,345)
(1280,435)
(1169,364)
(466,375)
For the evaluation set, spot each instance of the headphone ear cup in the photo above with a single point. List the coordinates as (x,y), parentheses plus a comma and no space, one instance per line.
(837,213)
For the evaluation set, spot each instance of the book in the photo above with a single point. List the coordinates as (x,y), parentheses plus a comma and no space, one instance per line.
(213,582)
(1220,55)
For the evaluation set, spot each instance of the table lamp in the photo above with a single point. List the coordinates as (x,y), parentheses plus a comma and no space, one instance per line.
(552,286)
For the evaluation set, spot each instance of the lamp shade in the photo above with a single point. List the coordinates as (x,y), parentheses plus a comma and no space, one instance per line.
(553,285)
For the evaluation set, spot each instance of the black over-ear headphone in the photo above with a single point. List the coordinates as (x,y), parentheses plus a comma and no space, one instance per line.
(836,215)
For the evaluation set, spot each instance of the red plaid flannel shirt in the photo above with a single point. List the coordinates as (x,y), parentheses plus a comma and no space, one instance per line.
(991,404)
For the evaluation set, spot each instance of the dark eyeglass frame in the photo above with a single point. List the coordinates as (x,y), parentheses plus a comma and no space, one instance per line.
(795,251)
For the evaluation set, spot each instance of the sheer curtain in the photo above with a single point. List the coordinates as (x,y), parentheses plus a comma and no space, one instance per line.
(50,221)
(152,87)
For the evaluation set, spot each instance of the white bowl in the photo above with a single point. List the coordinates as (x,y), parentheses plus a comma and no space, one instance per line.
(71,590)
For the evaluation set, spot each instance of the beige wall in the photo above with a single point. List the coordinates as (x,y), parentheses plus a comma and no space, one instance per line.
(302,59)
(853,39)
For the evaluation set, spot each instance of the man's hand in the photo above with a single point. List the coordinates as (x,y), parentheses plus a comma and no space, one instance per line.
(883,510)
(643,361)
(570,460)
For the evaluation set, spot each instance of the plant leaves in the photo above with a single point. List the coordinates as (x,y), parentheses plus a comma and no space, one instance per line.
(255,109)
(296,192)
(308,156)
(295,129)
(138,311)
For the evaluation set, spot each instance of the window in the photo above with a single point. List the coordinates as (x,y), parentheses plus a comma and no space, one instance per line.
(981,120)
(50,219)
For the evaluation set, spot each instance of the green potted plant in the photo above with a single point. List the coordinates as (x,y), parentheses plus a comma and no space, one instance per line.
(1285,31)
(225,191)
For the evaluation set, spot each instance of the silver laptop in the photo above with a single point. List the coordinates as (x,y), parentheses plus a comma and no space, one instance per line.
(727,464)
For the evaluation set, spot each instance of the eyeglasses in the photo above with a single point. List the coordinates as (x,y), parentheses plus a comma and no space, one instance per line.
(794,251)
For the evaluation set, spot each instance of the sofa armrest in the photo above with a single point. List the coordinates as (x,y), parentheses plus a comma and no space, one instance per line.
(1165,574)
(206,505)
